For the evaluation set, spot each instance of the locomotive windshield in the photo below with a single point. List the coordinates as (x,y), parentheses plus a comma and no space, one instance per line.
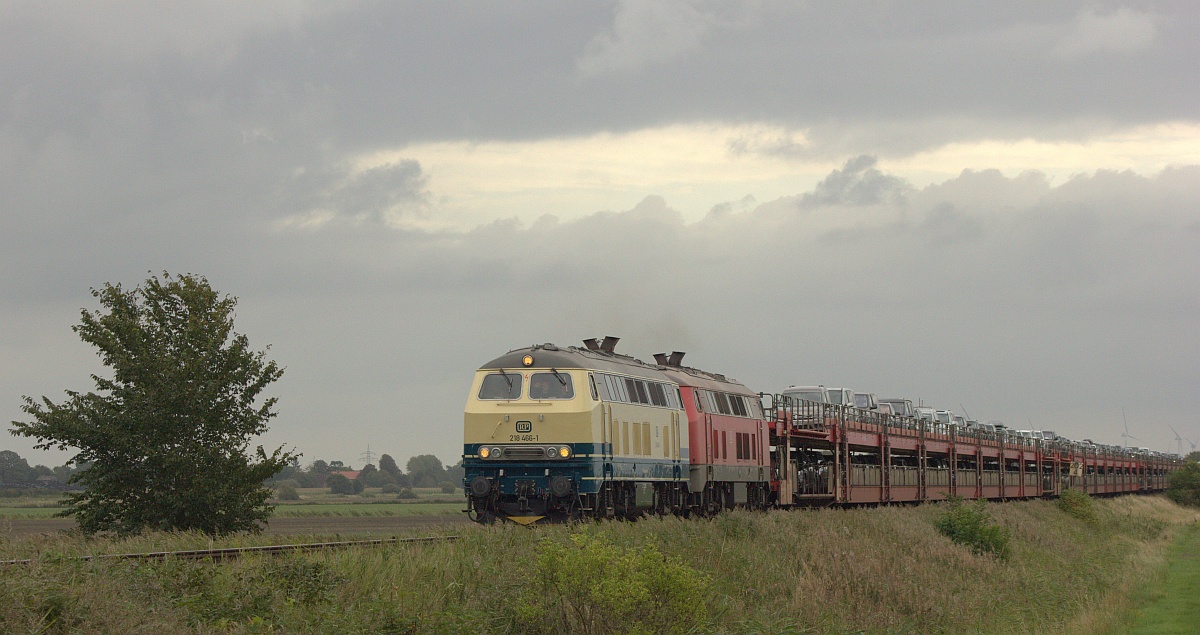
(501,386)
(553,385)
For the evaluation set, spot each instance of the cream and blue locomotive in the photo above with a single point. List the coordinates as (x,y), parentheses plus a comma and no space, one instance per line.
(556,433)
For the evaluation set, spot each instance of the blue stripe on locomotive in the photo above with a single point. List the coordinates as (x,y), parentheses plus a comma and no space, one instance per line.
(587,468)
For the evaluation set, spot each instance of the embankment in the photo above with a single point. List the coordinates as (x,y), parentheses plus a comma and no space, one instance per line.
(874,570)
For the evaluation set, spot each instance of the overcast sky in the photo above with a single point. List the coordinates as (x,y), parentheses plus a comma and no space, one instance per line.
(988,206)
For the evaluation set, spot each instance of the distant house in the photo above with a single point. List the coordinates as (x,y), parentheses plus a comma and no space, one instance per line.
(48,482)
(349,474)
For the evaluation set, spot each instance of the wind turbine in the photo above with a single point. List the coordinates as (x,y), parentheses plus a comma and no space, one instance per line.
(1178,442)
(1126,435)
(1193,443)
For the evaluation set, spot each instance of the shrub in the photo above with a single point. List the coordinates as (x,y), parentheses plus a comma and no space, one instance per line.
(591,586)
(406,493)
(339,484)
(447,487)
(1078,504)
(287,492)
(971,525)
(1183,486)
(391,488)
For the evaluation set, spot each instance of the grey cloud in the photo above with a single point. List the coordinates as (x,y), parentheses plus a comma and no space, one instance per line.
(883,79)
(1121,31)
(1014,297)
(645,34)
(383,194)
(858,183)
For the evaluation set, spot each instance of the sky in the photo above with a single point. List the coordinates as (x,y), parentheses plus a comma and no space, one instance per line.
(990,207)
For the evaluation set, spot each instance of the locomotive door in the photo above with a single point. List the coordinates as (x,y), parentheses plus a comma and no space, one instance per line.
(673,450)
(710,454)
(606,439)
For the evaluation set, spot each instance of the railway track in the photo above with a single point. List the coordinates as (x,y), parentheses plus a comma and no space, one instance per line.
(232,553)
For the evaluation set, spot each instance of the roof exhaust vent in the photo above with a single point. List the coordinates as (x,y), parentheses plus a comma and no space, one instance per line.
(661,359)
(676,358)
(609,343)
(591,344)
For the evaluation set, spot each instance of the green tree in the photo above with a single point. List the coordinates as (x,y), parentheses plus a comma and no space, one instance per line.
(167,435)
(425,470)
(388,464)
(15,470)
(456,473)
(1193,457)
(1183,486)
(339,484)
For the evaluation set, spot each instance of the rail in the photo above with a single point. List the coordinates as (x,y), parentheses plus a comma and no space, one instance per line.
(232,553)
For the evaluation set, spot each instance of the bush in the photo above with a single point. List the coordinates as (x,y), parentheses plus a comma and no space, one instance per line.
(972,526)
(287,492)
(339,484)
(1183,486)
(607,589)
(391,488)
(447,487)
(406,493)
(1078,504)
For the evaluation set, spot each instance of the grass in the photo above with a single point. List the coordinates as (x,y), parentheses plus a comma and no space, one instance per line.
(885,570)
(390,508)
(313,502)
(1171,604)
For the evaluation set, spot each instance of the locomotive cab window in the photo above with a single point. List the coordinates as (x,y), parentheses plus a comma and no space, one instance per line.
(551,386)
(657,395)
(501,386)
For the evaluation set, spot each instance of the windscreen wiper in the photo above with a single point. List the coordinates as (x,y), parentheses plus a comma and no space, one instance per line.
(558,376)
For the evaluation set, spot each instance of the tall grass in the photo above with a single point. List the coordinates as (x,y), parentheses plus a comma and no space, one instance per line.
(885,570)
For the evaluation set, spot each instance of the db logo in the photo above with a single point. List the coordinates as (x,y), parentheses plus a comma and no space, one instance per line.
(524,426)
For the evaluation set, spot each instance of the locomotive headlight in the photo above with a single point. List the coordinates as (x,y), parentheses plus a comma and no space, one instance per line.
(495,453)
(484,453)
(564,452)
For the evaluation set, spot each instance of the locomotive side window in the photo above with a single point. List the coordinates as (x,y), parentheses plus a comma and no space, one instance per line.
(620,389)
(642,397)
(501,386)
(738,404)
(631,390)
(599,389)
(658,396)
(722,403)
(551,386)
(696,396)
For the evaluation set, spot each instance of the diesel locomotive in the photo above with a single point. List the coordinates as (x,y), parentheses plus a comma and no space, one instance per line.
(554,433)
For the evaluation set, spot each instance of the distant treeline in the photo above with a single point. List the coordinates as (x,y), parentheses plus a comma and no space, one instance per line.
(424,470)
(16,474)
